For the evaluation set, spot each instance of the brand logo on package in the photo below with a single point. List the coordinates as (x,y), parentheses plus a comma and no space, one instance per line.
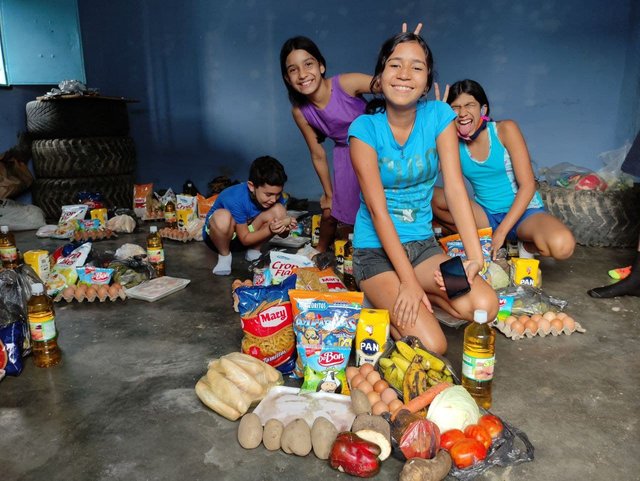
(369,347)
(330,358)
(273,317)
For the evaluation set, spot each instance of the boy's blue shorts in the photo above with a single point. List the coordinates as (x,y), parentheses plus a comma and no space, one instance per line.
(496,219)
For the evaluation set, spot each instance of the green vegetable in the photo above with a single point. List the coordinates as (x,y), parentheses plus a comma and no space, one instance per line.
(453,408)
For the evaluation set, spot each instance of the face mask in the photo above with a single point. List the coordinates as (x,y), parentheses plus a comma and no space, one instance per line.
(478,131)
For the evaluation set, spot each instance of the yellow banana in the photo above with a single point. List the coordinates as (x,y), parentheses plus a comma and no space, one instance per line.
(405,350)
(434,362)
(400,361)
(385,362)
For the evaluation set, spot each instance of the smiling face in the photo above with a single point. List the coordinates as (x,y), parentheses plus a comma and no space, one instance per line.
(265,195)
(469,113)
(304,72)
(405,76)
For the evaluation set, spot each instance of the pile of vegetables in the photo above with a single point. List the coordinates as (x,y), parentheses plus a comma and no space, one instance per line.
(471,446)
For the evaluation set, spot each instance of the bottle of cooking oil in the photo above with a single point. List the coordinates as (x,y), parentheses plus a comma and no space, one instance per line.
(155,252)
(42,326)
(170,218)
(347,266)
(478,358)
(8,250)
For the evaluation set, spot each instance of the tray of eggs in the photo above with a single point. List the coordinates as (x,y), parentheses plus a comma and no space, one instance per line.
(91,293)
(176,234)
(94,235)
(553,323)
(382,397)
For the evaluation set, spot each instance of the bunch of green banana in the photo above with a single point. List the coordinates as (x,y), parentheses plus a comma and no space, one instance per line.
(401,360)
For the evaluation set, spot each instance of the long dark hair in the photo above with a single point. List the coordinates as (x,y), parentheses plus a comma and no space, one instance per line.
(470,87)
(298,43)
(377,104)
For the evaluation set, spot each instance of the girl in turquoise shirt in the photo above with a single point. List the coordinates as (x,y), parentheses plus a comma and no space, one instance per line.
(495,160)
(396,153)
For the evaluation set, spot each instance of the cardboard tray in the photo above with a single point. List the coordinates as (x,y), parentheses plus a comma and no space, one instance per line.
(157,288)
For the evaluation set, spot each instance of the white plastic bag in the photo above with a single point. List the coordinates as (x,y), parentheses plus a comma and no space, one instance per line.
(611,173)
(20,216)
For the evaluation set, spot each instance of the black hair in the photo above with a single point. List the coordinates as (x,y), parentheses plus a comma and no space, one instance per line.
(298,43)
(267,170)
(470,87)
(378,103)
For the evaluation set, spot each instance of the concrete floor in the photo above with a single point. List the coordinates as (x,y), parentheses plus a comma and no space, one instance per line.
(121,405)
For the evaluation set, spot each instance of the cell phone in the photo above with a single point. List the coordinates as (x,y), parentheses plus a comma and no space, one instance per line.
(455,277)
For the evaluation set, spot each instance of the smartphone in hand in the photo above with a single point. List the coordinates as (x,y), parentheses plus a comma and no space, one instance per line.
(455,277)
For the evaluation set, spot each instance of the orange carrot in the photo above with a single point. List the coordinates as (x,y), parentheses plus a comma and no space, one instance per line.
(423,400)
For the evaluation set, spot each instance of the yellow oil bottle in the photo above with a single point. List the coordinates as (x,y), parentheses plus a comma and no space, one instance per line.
(8,249)
(478,358)
(42,326)
(155,250)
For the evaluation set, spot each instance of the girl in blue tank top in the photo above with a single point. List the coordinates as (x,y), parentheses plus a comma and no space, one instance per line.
(397,152)
(495,161)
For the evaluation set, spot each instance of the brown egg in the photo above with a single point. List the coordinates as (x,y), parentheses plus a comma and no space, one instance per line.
(569,323)
(523,318)
(351,372)
(91,293)
(103,292)
(549,315)
(68,292)
(365,369)
(380,386)
(395,405)
(531,326)
(509,320)
(388,396)
(544,326)
(356,380)
(365,387)
(561,315)
(378,408)
(373,397)
(373,377)
(80,292)
(556,325)
(117,285)
(113,292)
(536,317)
(517,327)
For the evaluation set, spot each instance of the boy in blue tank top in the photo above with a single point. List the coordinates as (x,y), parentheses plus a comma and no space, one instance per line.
(495,160)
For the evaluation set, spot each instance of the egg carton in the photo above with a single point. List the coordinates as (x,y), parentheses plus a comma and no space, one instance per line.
(79,293)
(93,235)
(538,325)
(176,234)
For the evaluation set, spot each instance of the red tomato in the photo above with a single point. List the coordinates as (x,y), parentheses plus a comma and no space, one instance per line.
(477,432)
(450,437)
(467,452)
(492,424)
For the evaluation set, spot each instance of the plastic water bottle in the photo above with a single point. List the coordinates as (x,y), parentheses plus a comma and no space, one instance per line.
(478,358)
(8,249)
(155,251)
(42,326)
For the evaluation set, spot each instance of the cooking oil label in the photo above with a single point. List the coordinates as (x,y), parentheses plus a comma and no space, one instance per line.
(8,254)
(43,329)
(155,255)
(170,216)
(478,368)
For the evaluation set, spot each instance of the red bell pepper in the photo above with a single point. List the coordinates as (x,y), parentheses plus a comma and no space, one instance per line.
(355,456)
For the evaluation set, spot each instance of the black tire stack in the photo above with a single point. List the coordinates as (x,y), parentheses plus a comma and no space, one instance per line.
(80,144)
(598,219)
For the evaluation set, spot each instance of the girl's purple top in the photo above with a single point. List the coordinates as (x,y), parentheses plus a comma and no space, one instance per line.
(334,121)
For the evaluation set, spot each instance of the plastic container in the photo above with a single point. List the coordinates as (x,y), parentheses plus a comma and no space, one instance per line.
(155,250)
(42,326)
(478,358)
(170,217)
(349,280)
(8,250)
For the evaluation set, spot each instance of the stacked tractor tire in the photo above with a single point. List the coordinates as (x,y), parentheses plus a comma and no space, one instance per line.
(80,145)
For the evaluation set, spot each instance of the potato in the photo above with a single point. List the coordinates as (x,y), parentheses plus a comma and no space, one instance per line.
(418,469)
(360,402)
(250,431)
(323,434)
(272,434)
(296,438)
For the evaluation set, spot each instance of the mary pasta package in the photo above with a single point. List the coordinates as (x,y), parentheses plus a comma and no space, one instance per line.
(267,323)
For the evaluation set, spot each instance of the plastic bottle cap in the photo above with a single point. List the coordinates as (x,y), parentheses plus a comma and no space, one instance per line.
(37,289)
(153,229)
(4,229)
(480,316)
